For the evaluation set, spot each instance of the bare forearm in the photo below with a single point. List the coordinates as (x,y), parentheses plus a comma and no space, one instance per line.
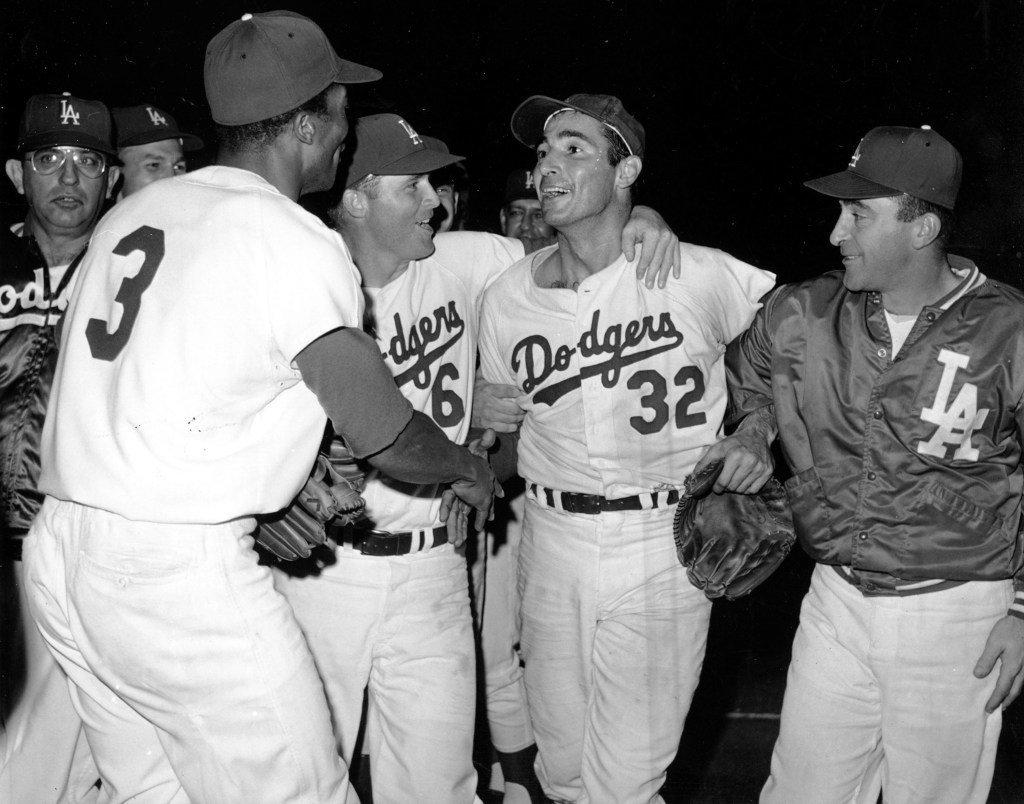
(422,453)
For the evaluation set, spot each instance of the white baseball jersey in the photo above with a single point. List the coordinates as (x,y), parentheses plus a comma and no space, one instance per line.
(426,326)
(176,398)
(623,386)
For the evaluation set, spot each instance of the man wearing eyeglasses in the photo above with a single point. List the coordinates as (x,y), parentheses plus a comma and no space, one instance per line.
(63,168)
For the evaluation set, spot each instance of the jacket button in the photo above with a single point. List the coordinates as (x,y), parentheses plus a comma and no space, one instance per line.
(862,536)
(871,475)
(877,414)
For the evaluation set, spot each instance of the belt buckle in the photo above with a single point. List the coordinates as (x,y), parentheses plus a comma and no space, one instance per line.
(587,504)
(384,542)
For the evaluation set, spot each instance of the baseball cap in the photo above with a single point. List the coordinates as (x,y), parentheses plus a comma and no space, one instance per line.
(529,119)
(386,145)
(267,64)
(519,185)
(65,120)
(891,160)
(138,125)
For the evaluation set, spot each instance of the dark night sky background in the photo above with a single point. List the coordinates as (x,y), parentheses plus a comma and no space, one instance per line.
(742,100)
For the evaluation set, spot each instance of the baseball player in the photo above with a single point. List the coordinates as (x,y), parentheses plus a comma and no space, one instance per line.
(495,594)
(150,146)
(449,183)
(624,389)
(521,215)
(64,168)
(896,387)
(408,636)
(213,323)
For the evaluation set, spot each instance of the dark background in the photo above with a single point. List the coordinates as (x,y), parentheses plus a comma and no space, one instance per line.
(742,100)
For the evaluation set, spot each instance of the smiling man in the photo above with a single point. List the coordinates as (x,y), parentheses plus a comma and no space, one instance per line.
(624,389)
(64,170)
(896,386)
(393,577)
(401,586)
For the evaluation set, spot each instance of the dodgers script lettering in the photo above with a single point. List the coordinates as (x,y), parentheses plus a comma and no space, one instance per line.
(535,356)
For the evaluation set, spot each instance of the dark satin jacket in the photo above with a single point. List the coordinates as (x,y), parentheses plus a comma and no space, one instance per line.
(28,357)
(905,468)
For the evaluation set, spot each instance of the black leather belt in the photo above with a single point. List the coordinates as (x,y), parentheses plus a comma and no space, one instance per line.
(593,504)
(383,543)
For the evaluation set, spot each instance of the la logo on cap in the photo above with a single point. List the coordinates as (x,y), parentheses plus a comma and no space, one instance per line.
(68,113)
(411,132)
(155,117)
(529,180)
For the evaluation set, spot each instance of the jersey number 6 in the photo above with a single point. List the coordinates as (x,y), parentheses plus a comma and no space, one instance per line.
(108,345)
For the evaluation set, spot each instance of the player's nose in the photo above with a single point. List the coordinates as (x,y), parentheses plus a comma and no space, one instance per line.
(839,232)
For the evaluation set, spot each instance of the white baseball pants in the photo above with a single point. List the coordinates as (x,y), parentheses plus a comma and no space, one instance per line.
(881,690)
(613,641)
(187,668)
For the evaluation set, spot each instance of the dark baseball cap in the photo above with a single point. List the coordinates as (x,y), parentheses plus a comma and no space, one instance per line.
(891,160)
(65,120)
(520,185)
(386,145)
(532,115)
(267,64)
(139,125)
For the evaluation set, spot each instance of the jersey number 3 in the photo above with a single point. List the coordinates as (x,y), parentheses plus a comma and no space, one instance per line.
(106,345)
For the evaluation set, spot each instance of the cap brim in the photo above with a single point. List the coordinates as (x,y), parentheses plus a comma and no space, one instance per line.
(349,72)
(529,117)
(68,138)
(523,195)
(426,161)
(189,142)
(851,186)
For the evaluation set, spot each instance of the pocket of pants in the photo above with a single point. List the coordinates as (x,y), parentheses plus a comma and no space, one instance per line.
(122,568)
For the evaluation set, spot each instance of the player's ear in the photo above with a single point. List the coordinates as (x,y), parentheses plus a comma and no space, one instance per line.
(502,218)
(14,173)
(304,127)
(926,229)
(628,171)
(113,174)
(354,203)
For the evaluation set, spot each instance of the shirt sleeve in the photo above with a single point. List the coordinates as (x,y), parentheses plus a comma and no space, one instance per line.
(738,289)
(489,346)
(748,361)
(310,291)
(345,370)
(477,257)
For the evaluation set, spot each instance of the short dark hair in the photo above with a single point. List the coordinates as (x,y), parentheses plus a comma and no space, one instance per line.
(617,149)
(257,136)
(910,208)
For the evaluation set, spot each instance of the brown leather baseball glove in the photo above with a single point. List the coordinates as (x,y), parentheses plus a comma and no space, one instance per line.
(730,543)
(332,493)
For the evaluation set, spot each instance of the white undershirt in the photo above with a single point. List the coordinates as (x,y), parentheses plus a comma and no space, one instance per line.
(899,329)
